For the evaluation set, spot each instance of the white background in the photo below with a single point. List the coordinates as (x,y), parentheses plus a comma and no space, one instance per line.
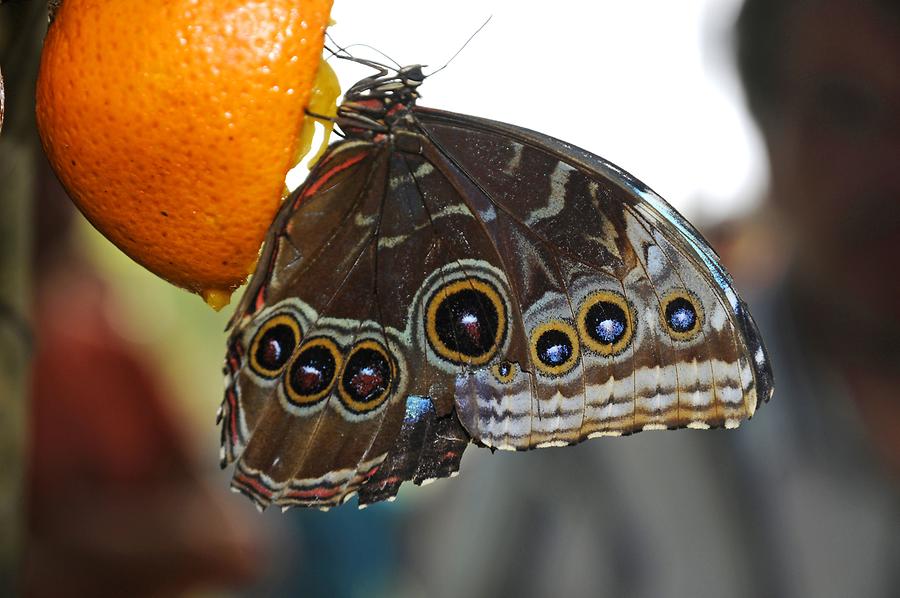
(647,84)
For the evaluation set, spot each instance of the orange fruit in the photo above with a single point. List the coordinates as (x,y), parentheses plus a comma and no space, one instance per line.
(172,124)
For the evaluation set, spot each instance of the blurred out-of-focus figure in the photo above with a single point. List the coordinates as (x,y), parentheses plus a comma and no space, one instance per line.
(117,501)
(803,500)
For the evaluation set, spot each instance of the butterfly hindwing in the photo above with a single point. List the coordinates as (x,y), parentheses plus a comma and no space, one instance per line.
(621,233)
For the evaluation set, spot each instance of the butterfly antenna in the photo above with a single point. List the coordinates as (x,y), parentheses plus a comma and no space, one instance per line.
(343,53)
(374,49)
(463,47)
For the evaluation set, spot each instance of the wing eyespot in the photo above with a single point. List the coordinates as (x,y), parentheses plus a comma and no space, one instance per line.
(504,372)
(367,378)
(681,314)
(273,344)
(466,321)
(554,347)
(312,372)
(606,323)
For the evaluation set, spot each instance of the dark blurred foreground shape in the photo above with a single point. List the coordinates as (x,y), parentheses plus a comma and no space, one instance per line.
(20,27)
(805,499)
(115,502)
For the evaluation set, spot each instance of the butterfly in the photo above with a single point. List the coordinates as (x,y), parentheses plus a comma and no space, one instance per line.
(440,280)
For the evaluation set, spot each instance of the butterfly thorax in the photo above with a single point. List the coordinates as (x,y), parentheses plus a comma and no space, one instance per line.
(376,105)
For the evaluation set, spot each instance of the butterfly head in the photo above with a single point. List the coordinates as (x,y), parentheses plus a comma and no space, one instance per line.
(374,104)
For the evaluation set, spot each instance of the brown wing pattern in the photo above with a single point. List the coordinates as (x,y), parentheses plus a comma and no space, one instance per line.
(303,440)
(471,282)
(597,225)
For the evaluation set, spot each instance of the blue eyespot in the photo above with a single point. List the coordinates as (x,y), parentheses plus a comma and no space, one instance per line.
(606,323)
(681,315)
(554,347)
(556,354)
(609,330)
(682,319)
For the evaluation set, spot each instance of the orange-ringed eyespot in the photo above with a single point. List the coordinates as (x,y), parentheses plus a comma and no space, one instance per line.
(273,344)
(367,377)
(504,371)
(312,372)
(681,314)
(605,322)
(554,347)
(466,321)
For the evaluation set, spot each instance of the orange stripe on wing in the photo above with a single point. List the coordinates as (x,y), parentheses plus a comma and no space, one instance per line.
(317,184)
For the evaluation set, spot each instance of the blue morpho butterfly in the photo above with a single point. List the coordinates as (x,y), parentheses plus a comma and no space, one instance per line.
(441,279)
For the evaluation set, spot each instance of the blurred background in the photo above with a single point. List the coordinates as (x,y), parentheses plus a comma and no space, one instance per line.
(795,183)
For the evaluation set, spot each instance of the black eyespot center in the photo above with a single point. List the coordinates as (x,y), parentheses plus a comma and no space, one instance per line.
(606,323)
(367,376)
(466,321)
(555,347)
(312,373)
(273,345)
(682,315)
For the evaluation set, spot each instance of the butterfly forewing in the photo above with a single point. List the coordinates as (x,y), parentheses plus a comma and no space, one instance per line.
(331,196)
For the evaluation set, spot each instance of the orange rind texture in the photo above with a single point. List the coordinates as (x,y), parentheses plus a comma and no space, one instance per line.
(172,124)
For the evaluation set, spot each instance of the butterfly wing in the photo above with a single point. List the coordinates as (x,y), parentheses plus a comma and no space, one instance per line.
(655,333)
(471,280)
(329,390)
(308,312)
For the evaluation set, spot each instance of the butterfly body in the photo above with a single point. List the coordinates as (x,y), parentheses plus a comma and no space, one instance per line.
(441,279)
